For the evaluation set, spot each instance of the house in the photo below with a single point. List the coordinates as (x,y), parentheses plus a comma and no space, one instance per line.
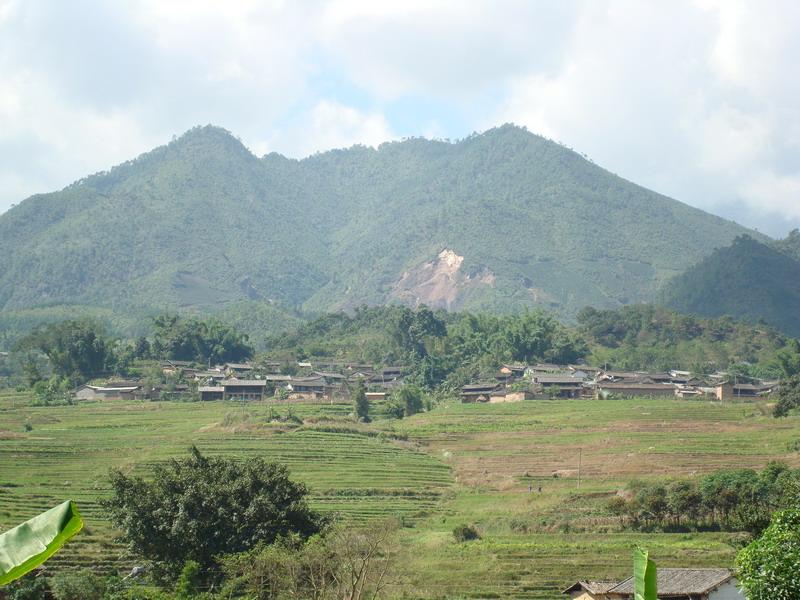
(162,392)
(211,392)
(558,386)
(733,391)
(389,374)
(207,376)
(311,388)
(685,584)
(376,396)
(510,396)
(634,390)
(589,590)
(174,367)
(236,369)
(112,390)
(479,392)
(514,371)
(243,389)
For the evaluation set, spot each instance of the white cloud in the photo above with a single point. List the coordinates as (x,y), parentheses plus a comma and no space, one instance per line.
(695,98)
(333,125)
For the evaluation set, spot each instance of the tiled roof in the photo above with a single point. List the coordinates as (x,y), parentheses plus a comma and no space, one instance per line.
(679,582)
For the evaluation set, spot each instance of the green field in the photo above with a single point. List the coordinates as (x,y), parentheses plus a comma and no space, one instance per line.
(457,464)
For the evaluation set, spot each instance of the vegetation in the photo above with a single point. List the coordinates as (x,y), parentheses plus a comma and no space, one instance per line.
(654,338)
(768,567)
(735,499)
(76,350)
(455,464)
(202,507)
(465,533)
(28,545)
(746,280)
(345,563)
(217,229)
(360,402)
(788,396)
(192,339)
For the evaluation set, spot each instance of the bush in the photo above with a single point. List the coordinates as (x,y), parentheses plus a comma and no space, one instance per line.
(466,533)
(78,585)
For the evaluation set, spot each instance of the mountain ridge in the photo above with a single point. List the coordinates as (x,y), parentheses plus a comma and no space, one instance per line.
(201,223)
(747,280)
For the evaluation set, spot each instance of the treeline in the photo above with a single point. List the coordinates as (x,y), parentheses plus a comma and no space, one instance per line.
(735,499)
(650,337)
(79,350)
(438,347)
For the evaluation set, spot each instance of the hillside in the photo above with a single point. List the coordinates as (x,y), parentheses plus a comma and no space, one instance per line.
(496,221)
(746,280)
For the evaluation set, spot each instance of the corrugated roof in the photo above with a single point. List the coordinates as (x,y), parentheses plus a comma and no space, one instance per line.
(680,582)
(211,388)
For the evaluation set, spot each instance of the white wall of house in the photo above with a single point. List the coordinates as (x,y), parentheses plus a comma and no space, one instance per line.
(727,591)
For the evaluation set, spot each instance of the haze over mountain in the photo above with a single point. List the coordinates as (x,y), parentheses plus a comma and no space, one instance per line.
(496,221)
(748,280)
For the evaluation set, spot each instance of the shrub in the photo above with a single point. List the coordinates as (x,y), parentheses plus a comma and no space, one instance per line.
(465,533)
(78,585)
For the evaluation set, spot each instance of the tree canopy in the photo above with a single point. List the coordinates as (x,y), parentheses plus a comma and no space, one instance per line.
(201,507)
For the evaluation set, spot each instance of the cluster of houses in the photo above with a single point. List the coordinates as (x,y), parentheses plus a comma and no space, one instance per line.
(319,381)
(677,584)
(517,382)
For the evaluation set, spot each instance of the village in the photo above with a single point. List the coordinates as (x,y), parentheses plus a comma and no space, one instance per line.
(331,381)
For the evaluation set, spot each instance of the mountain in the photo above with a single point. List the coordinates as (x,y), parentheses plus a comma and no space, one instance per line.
(496,221)
(747,280)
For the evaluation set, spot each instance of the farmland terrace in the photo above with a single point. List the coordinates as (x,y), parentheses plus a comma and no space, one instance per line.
(509,469)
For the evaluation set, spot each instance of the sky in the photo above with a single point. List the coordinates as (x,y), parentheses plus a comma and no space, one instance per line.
(696,99)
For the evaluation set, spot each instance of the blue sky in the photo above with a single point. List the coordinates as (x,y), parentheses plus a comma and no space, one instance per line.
(696,99)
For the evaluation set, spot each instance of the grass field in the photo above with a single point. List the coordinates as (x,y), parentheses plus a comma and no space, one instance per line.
(457,464)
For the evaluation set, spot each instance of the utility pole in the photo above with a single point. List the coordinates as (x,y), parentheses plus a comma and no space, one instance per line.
(580,463)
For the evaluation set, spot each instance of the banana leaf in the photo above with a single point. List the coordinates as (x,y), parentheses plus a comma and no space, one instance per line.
(644,576)
(28,545)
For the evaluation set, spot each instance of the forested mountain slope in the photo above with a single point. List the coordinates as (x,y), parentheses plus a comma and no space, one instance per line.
(746,280)
(496,221)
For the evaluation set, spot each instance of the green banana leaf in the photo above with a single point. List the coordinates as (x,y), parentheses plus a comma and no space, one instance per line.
(28,545)
(644,576)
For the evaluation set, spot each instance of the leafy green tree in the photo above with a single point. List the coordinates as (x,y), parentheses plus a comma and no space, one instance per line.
(180,338)
(77,349)
(188,583)
(360,402)
(199,508)
(788,359)
(78,585)
(684,500)
(788,396)
(768,567)
(410,398)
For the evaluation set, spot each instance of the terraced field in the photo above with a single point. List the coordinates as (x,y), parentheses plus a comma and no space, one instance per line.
(359,475)
(512,470)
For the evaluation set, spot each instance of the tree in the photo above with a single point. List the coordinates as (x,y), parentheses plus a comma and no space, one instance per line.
(344,563)
(768,567)
(77,349)
(788,396)
(78,585)
(198,508)
(360,402)
(410,399)
(180,338)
